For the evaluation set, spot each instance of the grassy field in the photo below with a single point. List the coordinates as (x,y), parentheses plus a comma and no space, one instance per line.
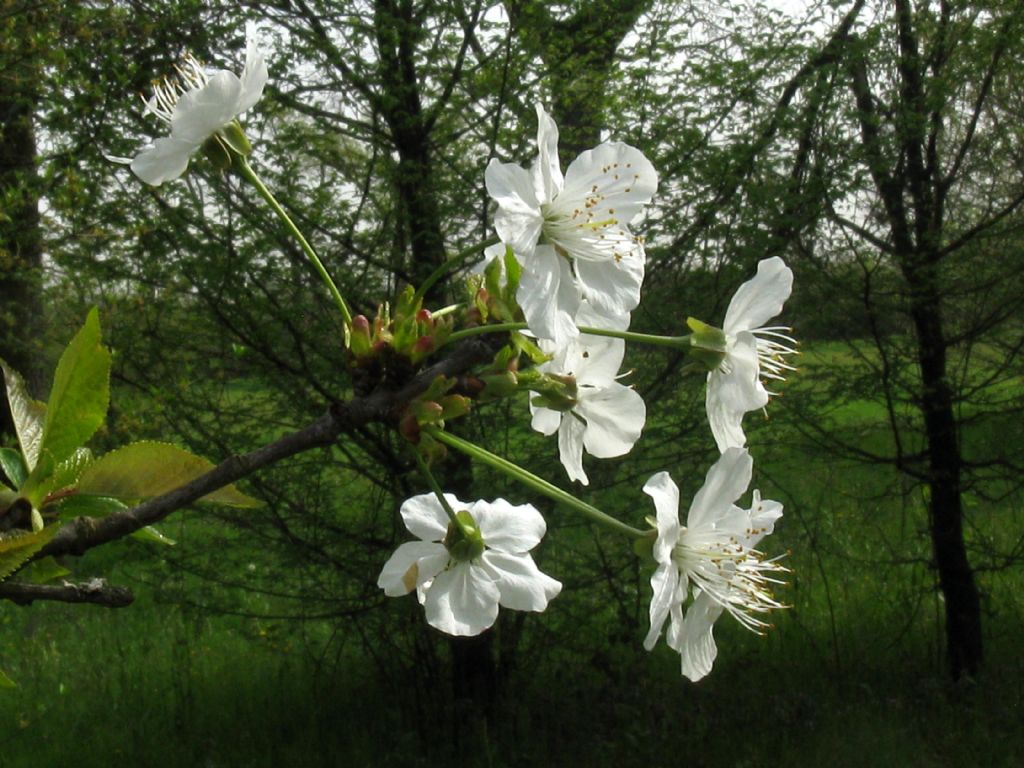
(852,675)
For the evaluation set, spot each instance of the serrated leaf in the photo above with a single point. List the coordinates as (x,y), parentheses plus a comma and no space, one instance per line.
(43,571)
(18,547)
(89,506)
(13,465)
(146,469)
(65,474)
(80,394)
(151,534)
(29,415)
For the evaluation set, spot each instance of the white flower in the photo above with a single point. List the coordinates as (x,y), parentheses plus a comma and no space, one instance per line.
(713,555)
(752,352)
(196,106)
(461,596)
(571,234)
(607,416)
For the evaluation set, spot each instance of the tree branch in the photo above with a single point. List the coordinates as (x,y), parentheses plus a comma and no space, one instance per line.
(95,591)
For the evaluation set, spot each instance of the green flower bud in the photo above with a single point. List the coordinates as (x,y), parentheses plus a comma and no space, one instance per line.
(464,541)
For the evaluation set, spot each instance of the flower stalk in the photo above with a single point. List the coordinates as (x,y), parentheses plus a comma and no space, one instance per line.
(246,171)
(530,480)
(681,343)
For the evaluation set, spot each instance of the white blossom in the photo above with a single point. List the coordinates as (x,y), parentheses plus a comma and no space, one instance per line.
(753,352)
(572,233)
(196,106)
(461,596)
(713,557)
(607,416)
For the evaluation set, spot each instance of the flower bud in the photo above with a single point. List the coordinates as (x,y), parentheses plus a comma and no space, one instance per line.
(359,340)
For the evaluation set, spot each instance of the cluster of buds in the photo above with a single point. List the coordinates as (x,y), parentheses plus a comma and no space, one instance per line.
(434,407)
(398,339)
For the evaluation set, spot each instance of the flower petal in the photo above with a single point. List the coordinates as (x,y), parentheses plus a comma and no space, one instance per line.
(462,601)
(730,395)
(725,482)
(612,286)
(203,111)
(518,219)
(665,493)
(760,298)
(548,295)
(696,641)
(664,581)
(522,585)
(615,416)
(164,160)
(618,178)
(425,517)
(398,578)
(544,420)
(508,528)
(594,360)
(763,515)
(570,447)
(254,77)
(547,172)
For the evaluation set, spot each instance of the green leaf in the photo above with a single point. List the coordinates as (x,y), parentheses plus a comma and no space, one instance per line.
(17,547)
(80,394)
(147,469)
(6,682)
(43,571)
(65,474)
(89,506)
(28,415)
(151,534)
(13,465)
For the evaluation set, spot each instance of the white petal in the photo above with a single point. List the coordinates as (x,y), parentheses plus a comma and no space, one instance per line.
(545,420)
(570,447)
(665,493)
(462,601)
(589,316)
(730,395)
(548,295)
(428,567)
(760,298)
(663,581)
(164,160)
(522,585)
(615,417)
(595,360)
(725,482)
(518,219)
(696,641)
(625,181)
(508,527)
(764,513)
(201,112)
(397,577)
(254,77)
(613,287)
(425,517)
(547,172)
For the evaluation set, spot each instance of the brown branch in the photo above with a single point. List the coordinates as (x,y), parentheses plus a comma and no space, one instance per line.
(382,406)
(95,591)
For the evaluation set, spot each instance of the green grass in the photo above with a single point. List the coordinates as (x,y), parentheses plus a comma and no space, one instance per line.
(853,674)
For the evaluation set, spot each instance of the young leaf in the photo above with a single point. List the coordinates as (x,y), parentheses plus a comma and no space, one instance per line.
(81,505)
(152,535)
(80,394)
(43,571)
(13,465)
(146,469)
(17,547)
(65,474)
(28,415)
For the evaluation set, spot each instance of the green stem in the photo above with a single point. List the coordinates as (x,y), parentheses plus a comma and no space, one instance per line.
(676,342)
(438,492)
(449,264)
(532,481)
(250,175)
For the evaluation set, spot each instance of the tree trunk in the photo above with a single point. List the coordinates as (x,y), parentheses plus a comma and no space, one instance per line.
(956,579)
(21,245)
